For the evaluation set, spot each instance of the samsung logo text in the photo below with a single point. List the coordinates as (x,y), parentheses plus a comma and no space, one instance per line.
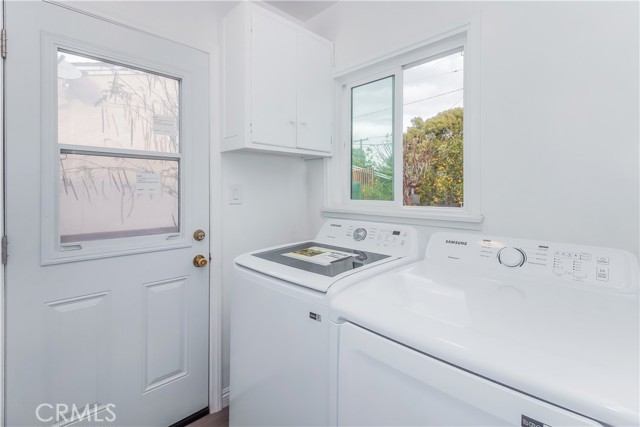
(456,242)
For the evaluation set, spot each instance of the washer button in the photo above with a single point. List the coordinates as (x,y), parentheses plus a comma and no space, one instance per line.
(602,274)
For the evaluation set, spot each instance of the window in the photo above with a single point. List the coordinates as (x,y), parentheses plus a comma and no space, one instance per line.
(372,140)
(432,132)
(113,153)
(118,137)
(411,135)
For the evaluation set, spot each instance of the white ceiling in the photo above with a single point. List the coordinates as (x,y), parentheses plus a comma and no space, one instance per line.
(302,10)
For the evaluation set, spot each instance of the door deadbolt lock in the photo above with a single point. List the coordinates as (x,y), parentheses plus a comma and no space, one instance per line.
(200,261)
(199,235)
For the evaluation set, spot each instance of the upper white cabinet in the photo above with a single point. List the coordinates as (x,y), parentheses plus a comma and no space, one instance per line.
(277,85)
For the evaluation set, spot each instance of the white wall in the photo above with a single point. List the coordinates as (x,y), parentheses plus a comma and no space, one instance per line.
(560,120)
(559,108)
(273,211)
(193,23)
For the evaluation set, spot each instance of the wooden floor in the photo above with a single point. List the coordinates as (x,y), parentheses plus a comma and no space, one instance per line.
(219,419)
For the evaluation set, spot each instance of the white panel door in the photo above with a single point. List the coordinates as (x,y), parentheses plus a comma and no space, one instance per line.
(107,179)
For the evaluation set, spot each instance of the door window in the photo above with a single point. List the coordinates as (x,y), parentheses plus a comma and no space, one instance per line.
(118,158)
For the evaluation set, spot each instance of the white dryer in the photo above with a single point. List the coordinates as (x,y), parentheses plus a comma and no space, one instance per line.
(492,331)
(280,338)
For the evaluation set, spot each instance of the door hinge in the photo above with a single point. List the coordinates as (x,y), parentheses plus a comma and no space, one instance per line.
(5,250)
(3,43)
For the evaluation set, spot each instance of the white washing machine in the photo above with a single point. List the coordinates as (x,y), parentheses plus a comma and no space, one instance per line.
(280,342)
(492,331)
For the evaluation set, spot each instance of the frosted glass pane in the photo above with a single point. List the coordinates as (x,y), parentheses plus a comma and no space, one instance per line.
(101,104)
(102,197)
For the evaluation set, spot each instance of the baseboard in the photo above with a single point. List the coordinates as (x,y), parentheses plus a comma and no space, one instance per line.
(225,397)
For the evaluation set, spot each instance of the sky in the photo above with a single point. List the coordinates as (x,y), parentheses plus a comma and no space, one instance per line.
(428,89)
(440,80)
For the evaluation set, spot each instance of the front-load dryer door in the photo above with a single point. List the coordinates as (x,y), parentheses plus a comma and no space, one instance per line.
(383,383)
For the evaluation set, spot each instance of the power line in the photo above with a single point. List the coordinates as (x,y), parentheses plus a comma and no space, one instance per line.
(372,112)
(408,103)
(362,141)
(379,144)
(389,135)
(456,103)
(431,76)
(434,96)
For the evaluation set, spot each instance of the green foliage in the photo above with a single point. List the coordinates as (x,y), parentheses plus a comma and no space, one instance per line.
(377,160)
(358,158)
(433,159)
(382,188)
(432,162)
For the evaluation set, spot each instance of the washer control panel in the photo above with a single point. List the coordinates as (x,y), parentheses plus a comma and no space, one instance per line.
(359,234)
(512,257)
(589,265)
(370,236)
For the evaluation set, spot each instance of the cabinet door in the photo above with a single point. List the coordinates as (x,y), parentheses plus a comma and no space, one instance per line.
(273,81)
(314,93)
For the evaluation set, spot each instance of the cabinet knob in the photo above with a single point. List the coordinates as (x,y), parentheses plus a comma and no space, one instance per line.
(292,123)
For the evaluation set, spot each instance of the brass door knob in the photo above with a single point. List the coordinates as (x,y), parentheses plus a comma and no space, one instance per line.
(200,261)
(199,235)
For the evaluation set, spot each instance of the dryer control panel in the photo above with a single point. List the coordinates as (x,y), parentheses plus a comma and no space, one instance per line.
(588,265)
(389,239)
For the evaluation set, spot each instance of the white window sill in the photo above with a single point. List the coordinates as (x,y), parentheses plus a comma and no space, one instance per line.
(408,215)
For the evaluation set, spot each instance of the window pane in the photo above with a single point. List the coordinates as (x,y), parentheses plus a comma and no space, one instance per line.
(101,104)
(372,140)
(433,132)
(102,197)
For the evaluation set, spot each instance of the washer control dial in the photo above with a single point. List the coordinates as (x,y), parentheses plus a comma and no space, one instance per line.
(359,234)
(511,257)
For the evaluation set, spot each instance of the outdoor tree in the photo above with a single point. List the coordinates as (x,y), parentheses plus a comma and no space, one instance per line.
(433,160)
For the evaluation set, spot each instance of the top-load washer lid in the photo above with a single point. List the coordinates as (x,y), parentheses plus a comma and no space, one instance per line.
(320,258)
(342,248)
(556,321)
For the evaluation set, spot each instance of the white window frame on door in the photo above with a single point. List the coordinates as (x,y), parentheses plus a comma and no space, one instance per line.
(338,202)
(52,250)
(2,231)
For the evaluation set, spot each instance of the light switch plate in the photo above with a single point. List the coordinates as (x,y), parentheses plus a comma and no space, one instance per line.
(235,194)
